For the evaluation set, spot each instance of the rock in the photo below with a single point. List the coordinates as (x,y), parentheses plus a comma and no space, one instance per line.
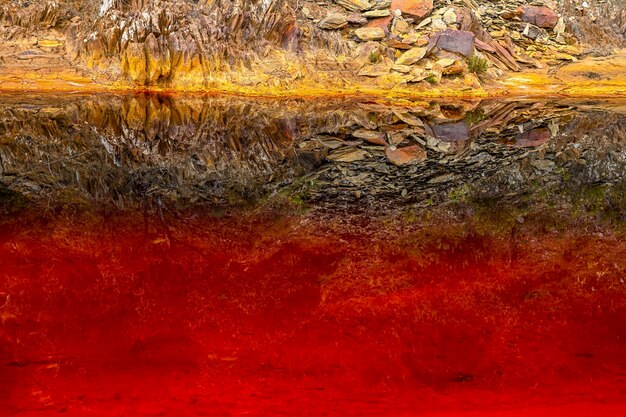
(354,5)
(371,136)
(333,21)
(158,62)
(289,37)
(457,67)
(134,62)
(356,19)
(424,23)
(411,57)
(570,49)
(330,142)
(377,13)
(381,4)
(435,74)
(380,22)
(438,25)
(541,16)
(449,17)
(404,69)
(411,39)
(451,132)
(399,26)
(563,56)
(543,164)
(417,9)
(446,62)
(406,156)
(531,31)
(376,70)
(559,29)
(471,80)
(370,34)
(398,45)
(534,137)
(347,154)
(408,118)
(396,138)
(457,41)
(419,74)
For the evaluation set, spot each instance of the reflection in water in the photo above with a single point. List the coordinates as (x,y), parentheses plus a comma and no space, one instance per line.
(454,257)
(122,149)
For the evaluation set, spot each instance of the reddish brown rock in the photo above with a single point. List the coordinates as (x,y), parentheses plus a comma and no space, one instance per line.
(407,155)
(533,137)
(417,9)
(382,23)
(541,16)
(458,41)
(289,38)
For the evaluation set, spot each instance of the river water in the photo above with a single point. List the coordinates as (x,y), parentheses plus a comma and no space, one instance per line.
(205,256)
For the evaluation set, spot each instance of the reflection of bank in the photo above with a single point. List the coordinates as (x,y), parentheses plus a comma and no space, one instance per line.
(126,149)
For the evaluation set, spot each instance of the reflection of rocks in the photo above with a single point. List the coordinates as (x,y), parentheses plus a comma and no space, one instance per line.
(451,132)
(533,137)
(125,149)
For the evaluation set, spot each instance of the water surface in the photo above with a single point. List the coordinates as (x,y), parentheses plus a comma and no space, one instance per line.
(218,256)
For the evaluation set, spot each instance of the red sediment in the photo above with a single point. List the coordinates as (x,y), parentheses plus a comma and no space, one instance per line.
(213,317)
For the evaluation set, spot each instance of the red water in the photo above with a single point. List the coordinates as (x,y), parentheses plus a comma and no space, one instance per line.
(223,318)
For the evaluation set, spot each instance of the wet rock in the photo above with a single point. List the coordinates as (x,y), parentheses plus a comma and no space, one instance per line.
(333,21)
(355,5)
(411,57)
(457,41)
(417,9)
(541,16)
(406,156)
(370,34)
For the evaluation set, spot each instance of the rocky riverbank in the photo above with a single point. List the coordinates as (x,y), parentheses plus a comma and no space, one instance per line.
(398,48)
